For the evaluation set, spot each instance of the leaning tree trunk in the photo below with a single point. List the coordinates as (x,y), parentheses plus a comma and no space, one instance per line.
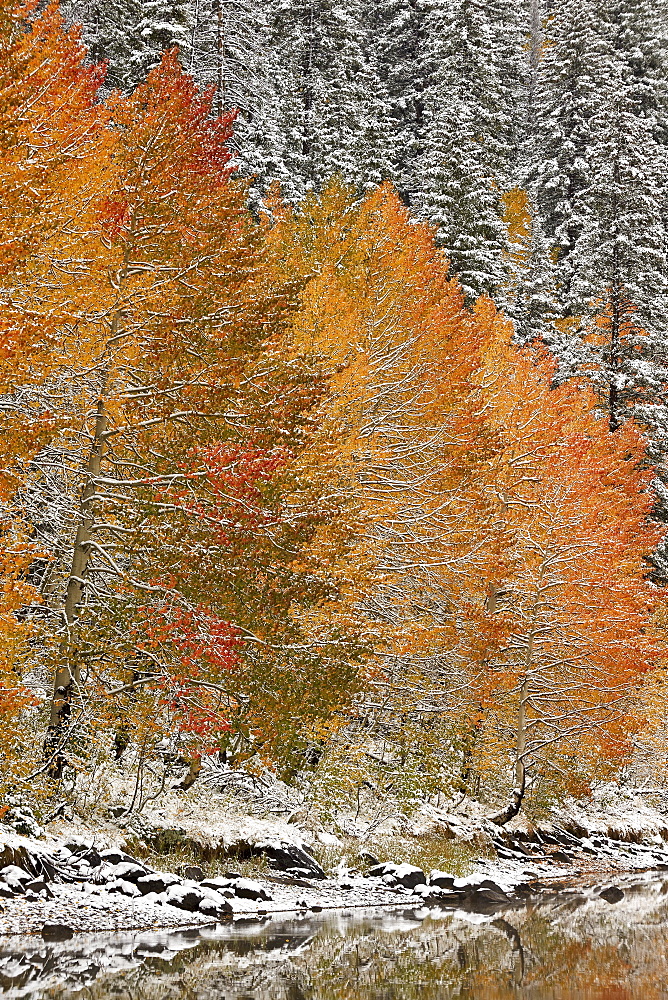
(517,795)
(67,677)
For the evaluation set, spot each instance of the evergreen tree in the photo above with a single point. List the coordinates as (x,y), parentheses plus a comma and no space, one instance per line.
(321,116)
(396,42)
(130,34)
(572,87)
(467,143)
(227,51)
(601,194)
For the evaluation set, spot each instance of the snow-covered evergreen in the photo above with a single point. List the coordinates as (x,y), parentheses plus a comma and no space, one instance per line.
(458,103)
(467,142)
(130,35)
(396,43)
(600,183)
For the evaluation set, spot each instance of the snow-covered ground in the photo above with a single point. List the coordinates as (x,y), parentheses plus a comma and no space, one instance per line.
(82,873)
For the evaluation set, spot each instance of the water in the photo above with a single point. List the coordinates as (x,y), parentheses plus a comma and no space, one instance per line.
(573,946)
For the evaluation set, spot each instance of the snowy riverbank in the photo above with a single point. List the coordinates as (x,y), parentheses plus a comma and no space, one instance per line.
(59,886)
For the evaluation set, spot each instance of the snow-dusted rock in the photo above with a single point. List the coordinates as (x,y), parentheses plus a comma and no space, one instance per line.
(214,904)
(293,859)
(114,857)
(16,878)
(441,880)
(193,873)
(404,875)
(223,886)
(39,886)
(246,888)
(126,888)
(157,882)
(185,897)
(129,871)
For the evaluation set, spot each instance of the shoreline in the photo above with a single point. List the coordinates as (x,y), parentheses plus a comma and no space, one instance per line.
(26,918)
(74,885)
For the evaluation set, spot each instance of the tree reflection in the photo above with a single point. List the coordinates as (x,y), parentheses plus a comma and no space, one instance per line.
(555,951)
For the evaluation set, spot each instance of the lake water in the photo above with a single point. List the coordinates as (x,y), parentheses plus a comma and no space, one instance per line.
(572,946)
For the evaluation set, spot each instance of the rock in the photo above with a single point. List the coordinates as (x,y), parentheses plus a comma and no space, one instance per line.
(39,885)
(562,857)
(15,855)
(291,858)
(93,858)
(57,932)
(6,891)
(129,871)
(113,857)
(184,897)
(155,882)
(379,871)
(246,888)
(126,888)
(210,909)
(193,873)
(223,886)
(78,845)
(613,894)
(567,839)
(409,876)
(491,891)
(442,880)
(405,875)
(215,905)
(217,883)
(368,858)
(16,878)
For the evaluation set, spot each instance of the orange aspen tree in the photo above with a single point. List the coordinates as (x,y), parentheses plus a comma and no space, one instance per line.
(50,124)
(402,351)
(569,607)
(166,299)
(510,530)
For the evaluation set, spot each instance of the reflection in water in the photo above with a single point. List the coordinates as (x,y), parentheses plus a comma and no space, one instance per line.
(576,945)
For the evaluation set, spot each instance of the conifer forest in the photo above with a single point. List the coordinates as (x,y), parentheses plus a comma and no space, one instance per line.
(334,403)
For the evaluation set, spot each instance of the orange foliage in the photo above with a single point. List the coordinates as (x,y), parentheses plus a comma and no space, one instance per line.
(511,525)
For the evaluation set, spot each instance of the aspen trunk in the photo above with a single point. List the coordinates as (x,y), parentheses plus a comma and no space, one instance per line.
(517,796)
(67,677)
